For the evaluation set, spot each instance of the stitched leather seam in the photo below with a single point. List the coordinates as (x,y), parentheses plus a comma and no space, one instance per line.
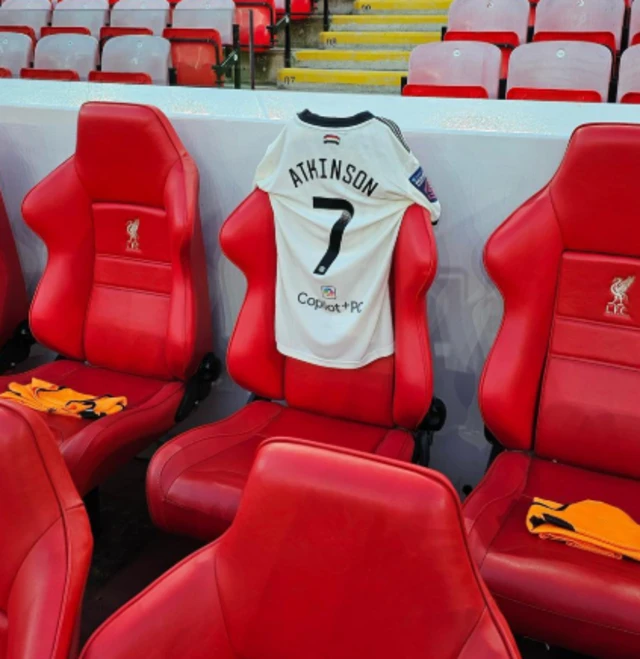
(128,259)
(421,319)
(598,323)
(223,614)
(162,578)
(513,494)
(231,434)
(386,436)
(595,362)
(130,289)
(122,415)
(567,617)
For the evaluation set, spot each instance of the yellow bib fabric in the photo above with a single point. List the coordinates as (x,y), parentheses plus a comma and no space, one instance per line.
(588,525)
(53,399)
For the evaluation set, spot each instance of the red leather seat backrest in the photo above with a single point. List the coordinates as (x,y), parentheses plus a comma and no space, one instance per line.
(13,297)
(336,554)
(563,373)
(394,390)
(125,285)
(45,542)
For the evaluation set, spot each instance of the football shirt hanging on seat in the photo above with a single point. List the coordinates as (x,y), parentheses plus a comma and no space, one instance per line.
(339,188)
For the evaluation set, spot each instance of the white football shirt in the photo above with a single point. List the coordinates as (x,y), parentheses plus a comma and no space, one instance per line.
(339,188)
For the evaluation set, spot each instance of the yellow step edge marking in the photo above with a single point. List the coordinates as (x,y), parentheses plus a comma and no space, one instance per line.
(402,5)
(379,38)
(390,19)
(357,55)
(291,77)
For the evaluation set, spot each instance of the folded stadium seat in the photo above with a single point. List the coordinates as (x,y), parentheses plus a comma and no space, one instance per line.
(200,28)
(560,71)
(25,17)
(45,543)
(264,20)
(300,9)
(559,391)
(79,16)
(196,480)
(124,296)
(500,22)
(64,57)
(629,76)
(332,554)
(15,338)
(152,15)
(16,52)
(599,21)
(136,60)
(459,69)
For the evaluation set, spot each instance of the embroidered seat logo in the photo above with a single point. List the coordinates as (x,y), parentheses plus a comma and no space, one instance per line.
(619,288)
(133,242)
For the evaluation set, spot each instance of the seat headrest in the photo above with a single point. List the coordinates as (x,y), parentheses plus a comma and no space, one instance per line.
(594,191)
(137,142)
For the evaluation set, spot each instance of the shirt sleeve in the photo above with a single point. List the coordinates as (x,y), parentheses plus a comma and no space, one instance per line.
(411,179)
(268,169)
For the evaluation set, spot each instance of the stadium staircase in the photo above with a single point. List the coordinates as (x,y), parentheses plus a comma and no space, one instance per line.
(367,47)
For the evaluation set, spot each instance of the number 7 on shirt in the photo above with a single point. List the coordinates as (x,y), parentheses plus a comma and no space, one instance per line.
(337,231)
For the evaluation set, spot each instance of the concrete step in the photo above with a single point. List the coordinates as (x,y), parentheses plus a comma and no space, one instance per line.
(386,82)
(393,23)
(377,40)
(379,60)
(401,6)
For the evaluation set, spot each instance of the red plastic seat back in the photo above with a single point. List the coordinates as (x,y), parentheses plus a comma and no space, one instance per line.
(125,285)
(194,52)
(13,297)
(563,373)
(45,542)
(332,554)
(264,16)
(394,390)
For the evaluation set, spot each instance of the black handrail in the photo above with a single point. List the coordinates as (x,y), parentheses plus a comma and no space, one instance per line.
(252,62)
(325,15)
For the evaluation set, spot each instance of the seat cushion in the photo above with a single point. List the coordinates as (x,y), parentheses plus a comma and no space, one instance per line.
(195,481)
(94,449)
(558,594)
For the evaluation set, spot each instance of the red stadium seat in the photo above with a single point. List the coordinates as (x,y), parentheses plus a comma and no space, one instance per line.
(459,69)
(194,53)
(560,71)
(45,543)
(14,339)
(264,18)
(195,481)
(124,295)
(503,23)
(559,391)
(598,21)
(333,554)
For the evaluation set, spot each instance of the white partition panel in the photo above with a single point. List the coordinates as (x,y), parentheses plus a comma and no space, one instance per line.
(484,158)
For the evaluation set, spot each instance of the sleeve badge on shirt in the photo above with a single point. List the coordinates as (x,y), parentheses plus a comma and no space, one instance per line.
(420,181)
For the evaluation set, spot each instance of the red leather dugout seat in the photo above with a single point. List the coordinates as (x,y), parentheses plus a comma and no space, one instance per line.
(560,391)
(123,298)
(13,297)
(333,554)
(45,543)
(195,481)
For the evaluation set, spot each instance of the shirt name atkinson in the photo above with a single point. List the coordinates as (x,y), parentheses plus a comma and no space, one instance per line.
(325,168)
